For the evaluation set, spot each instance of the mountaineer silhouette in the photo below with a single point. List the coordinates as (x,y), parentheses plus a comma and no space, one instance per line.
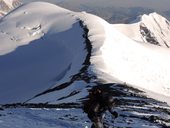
(98,103)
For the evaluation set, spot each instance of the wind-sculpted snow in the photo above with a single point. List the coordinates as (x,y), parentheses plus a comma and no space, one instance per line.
(37,53)
(47,51)
(144,66)
(116,57)
(52,57)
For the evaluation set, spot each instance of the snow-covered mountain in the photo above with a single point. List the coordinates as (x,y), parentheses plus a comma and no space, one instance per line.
(52,55)
(8,5)
(47,58)
(33,38)
(152,28)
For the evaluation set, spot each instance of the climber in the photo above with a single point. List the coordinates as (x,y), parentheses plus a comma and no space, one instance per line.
(99,102)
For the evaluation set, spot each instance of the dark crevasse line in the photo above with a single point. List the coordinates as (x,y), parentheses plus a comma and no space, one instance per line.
(83,72)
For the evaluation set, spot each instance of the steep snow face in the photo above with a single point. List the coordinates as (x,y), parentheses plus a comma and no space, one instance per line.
(25,29)
(125,60)
(35,52)
(116,57)
(145,66)
(152,28)
(158,29)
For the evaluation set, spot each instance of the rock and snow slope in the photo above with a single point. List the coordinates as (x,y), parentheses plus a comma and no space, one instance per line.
(68,118)
(133,63)
(116,57)
(8,5)
(43,46)
(152,28)
(52,55)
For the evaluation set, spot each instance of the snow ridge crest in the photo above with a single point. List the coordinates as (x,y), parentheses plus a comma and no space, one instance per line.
(156,29)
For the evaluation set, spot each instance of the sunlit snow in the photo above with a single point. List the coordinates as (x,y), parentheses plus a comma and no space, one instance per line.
(37,53)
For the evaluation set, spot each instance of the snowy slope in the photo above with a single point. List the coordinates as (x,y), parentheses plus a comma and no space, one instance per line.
(46,58)
(44,118)
(68,118)
(142,65)
(127,61)
(116,57)
(53,53)
(152,28)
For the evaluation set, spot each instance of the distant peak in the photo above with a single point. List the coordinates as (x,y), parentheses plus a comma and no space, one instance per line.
(8,5)
(155,29)
(150,16)
(153,16)
(156,20)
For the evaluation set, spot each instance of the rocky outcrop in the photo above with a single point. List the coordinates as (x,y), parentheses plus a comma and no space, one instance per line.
(6,6)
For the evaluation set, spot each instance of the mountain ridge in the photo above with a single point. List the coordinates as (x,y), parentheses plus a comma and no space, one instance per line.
(152,28)
(49,67)
(23,32)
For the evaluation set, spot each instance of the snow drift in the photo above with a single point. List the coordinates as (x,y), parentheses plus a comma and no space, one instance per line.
(43,45)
